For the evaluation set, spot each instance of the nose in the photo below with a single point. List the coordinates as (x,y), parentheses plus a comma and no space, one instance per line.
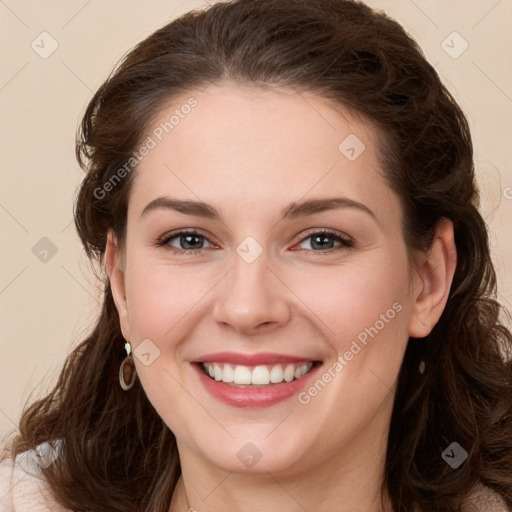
(252,299)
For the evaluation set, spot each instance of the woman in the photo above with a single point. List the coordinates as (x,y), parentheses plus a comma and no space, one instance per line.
(299,306)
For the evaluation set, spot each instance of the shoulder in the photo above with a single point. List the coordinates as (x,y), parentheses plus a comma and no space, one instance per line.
(22,485)
(484,499)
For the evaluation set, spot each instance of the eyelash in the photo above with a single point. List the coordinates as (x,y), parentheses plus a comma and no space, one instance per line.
(346,242)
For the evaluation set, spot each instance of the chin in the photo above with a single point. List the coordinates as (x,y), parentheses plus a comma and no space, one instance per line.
(256,455)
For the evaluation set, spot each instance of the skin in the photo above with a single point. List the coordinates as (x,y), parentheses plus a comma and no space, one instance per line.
(250,153)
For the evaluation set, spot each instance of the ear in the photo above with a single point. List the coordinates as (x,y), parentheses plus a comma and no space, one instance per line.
(114,263)
(434,279)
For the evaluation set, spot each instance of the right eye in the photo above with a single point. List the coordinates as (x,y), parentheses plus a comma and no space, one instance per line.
(189,241)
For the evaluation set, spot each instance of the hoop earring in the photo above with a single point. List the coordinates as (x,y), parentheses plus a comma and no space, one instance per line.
(127,367)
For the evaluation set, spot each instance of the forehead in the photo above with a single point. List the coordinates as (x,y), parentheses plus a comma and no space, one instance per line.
(238,143)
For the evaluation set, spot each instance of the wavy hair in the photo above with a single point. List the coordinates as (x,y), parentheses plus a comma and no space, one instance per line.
(118,455)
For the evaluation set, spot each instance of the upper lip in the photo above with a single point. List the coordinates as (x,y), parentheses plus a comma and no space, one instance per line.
(261,358)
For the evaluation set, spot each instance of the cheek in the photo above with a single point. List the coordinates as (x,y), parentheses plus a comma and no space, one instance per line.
(364,312)
(162,306)
(159,298)
(355,300)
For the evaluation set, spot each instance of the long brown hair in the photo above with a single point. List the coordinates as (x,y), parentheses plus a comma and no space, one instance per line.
(117,453)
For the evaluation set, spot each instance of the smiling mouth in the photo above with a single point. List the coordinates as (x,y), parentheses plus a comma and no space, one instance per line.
(256,376)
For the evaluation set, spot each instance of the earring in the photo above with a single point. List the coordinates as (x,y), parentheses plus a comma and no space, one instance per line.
(127,368)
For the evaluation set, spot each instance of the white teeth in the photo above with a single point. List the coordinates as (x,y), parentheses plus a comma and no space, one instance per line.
(228,373)
(242,375)
(258,375)
(276,374)
(289,373)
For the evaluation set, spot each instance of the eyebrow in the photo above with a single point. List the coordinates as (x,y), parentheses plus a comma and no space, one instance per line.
(292,211)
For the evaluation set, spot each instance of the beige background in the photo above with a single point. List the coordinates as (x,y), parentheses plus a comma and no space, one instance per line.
(46,307)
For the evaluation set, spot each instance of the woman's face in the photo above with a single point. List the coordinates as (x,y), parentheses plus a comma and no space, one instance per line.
(259,176)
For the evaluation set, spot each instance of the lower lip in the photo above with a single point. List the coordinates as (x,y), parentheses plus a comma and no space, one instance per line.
(254,397)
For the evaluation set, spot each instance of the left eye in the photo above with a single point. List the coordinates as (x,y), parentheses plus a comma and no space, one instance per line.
(324,240)
(191,241)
